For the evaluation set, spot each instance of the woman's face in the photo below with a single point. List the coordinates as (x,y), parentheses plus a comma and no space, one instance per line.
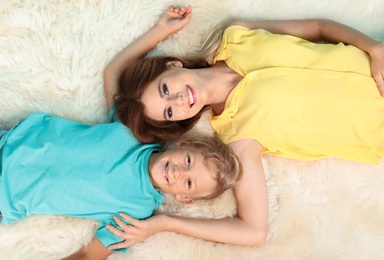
(176,94)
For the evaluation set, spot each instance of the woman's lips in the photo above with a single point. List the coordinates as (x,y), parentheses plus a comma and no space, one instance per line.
(191,96)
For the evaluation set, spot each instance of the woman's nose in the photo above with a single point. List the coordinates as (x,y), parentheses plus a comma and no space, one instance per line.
(177,98)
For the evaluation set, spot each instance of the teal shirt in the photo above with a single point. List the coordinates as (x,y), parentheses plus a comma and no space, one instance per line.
(51,165)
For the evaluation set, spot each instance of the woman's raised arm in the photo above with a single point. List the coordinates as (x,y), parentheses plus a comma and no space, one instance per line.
(331,31)
(249,227)
(171,21)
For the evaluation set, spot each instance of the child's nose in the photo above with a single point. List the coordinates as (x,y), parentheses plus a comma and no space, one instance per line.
(178,171)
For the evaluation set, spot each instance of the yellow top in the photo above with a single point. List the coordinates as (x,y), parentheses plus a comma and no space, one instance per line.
(299,99)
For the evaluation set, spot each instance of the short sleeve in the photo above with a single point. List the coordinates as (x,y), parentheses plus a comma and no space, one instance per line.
(106,237)
(112,116)
(238,48)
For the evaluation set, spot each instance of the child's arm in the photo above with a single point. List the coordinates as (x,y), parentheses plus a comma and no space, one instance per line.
(317,30)
(171,21)
(249,227)
(93,251)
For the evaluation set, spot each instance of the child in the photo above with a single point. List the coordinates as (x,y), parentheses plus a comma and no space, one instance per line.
(51,165)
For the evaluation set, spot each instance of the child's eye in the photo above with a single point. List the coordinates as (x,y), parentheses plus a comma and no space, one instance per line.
(188,160)
(189,183)
(165,89)
(169,112)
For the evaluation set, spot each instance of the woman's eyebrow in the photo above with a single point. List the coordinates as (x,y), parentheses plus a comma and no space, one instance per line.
(165,114)
(160,92)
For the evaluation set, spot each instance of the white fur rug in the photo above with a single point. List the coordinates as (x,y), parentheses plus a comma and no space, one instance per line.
(52,54)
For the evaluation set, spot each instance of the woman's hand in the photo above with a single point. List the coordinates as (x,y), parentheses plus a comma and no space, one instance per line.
(138,231)
(175,18)
(377,65)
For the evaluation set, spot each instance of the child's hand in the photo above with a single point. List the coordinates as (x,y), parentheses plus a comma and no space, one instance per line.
(134,233)
(175,18)
(377,66)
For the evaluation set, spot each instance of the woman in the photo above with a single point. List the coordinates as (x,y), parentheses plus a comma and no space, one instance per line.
(300,100)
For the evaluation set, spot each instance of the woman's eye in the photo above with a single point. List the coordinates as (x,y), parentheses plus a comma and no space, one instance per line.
(189,183)
(165,89)
(169,112)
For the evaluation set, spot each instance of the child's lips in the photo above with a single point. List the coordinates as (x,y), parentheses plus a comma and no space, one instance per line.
(165,172)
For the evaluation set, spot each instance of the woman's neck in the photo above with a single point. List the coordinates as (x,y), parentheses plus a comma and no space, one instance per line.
(221,81)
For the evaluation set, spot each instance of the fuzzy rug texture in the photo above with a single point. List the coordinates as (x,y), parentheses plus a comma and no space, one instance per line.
(52,55)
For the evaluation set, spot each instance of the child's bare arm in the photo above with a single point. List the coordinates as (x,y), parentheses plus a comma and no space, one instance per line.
(316,30)
(93,251)
(249,227)
(171,21)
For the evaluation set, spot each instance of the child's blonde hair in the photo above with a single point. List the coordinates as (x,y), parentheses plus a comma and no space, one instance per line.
(221,159)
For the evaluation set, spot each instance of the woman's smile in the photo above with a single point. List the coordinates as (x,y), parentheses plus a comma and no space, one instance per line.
(191,94)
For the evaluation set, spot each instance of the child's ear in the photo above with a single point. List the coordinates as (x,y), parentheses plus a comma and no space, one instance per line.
(174,63)
(183,142)
(183,198)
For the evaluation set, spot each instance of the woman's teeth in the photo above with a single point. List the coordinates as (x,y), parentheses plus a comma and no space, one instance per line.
(190,97)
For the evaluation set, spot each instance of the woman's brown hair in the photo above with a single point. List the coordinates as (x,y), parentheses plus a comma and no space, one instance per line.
(131,111)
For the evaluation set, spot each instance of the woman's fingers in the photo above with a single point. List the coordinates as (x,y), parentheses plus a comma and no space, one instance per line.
(128,218)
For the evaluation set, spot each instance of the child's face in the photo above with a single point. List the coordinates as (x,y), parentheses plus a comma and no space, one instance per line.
(181,171)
